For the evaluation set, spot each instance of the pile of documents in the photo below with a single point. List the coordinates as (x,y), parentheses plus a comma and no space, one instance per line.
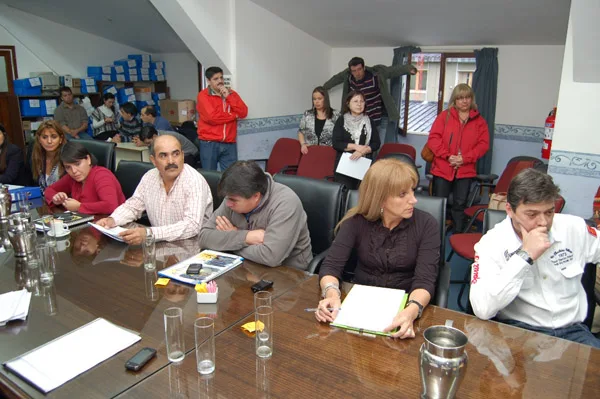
(14,306)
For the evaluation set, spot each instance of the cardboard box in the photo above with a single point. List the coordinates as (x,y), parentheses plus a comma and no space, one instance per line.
(76,82)
(178,111)
(26,124)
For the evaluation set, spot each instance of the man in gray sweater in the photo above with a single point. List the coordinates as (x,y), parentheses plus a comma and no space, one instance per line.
(259,219)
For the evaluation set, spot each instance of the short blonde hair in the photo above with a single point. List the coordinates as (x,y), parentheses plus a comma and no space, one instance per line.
(462,90)
(386,178)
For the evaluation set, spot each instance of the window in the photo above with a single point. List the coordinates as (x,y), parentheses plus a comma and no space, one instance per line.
(430,88)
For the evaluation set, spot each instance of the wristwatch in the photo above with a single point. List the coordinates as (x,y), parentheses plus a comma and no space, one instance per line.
(332,286)
(418,305)
(148,232)
(523,254)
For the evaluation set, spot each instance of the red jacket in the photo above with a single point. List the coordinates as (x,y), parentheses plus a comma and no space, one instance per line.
(218,117)
(101,193)
(448,134)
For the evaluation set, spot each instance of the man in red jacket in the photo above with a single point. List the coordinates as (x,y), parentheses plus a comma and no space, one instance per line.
(218,108)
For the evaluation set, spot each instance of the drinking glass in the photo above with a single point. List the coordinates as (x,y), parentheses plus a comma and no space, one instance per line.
(49,294)
(262,298)
(150,277)
(47,226)
(149,252)
(24,202)
(45,255)
(264,333)
(204,330)
(174,334)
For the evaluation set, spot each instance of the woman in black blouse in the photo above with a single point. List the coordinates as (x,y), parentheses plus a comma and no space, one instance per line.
(354,132)
(397,245)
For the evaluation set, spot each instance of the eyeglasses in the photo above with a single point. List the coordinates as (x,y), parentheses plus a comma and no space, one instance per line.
(463,98)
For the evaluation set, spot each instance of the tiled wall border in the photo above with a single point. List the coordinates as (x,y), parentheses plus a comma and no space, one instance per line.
(519,133)
(270,124)
(575,164)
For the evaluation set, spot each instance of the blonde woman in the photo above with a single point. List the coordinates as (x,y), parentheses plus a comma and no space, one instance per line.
(458,138)
(397,246)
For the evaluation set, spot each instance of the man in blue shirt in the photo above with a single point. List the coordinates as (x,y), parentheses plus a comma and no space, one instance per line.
(150,117)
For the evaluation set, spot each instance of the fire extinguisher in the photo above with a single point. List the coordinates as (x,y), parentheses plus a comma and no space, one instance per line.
(548,132)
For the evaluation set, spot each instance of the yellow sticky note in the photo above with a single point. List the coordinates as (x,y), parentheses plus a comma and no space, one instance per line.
(201,288)
(251,326)
(161,282)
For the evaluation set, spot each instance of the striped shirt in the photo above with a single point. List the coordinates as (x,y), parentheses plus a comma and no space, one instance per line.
(175,215)
(130,129)
(369,86)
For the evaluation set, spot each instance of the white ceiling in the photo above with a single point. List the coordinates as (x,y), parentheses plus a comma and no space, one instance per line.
(338,23)
(381,23)
(135,23)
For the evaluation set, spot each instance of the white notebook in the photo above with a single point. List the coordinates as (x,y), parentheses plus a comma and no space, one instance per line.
(354,168)
(370,309)
(51,365)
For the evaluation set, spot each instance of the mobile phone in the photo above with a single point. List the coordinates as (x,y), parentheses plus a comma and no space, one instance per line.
(262,285)
(140,359)
(194,268)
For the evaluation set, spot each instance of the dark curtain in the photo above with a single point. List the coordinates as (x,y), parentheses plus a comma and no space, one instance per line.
(485,86)
(400,58)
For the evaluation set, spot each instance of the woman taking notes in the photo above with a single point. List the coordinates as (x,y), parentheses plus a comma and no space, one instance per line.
(458,138)
(86,188)
(397,246)
(355,133)
(316,125)
(45,157)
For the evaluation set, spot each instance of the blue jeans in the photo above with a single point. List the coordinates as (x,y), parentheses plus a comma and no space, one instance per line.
(578,332)
(213,153)
(383,126)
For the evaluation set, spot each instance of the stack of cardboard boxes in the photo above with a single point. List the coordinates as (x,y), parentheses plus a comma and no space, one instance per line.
(134,68)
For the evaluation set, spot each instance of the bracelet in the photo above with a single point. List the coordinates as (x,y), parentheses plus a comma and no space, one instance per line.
(302,144)
(329,286)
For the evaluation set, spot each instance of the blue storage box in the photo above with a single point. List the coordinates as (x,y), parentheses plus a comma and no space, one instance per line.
(108,69)
(110,89)
(30,107)
(157,65)
(140,57)
(126,63)
(33,91)
(118,77)
(158,96)
(27,83)
(48,107)
(94,70)
(32,193)
(86,89)
(119,69)
(144,71)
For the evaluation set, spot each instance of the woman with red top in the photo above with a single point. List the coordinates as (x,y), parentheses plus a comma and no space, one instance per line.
(87,187)
(458,138)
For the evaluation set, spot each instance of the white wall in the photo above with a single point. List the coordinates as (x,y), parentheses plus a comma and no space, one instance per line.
(182,74)
(43,45)
(528,78)
(277,65)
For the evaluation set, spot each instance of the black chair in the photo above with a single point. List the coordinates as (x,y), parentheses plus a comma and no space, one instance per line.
(129,174)
(103,151)
(322,201)
(213,177)
(588,281)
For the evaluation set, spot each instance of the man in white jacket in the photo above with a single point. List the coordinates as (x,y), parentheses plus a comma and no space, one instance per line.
(527,269)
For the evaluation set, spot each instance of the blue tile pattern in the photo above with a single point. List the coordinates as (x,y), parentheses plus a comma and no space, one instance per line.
(574,163)
(270,124)
(519,133)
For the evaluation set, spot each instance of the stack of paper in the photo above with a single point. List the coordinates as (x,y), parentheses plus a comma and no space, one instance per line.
(14,306)
(112,233)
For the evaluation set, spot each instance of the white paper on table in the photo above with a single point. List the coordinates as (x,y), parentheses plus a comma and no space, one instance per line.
(112,232)
(356,168)
(369,308)
(51,365)
(14,306)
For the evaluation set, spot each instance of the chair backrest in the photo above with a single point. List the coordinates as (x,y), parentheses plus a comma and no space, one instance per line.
(403,158)
(559,204)
(318,163)
(129,174)
(491,218)
(511,170)
(395,148)
(103,151)
(588,281)
(213,177)
(351,200)
(322,202)
(285,152)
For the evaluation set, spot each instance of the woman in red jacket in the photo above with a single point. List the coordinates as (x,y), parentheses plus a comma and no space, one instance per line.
(458,138)
(87,187)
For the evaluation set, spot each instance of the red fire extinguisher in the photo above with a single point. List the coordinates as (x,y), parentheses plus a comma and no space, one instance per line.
(548,132)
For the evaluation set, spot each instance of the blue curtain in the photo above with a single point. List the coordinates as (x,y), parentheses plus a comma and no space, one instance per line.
(485,86)
(400,58)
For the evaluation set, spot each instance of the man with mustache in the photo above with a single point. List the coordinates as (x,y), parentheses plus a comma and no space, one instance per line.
(175,196)
(218,108)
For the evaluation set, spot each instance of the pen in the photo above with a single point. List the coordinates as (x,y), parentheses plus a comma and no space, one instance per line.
(315,309)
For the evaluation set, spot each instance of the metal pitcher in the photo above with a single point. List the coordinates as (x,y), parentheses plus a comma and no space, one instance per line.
(22,234)
(5,202)
(443,361)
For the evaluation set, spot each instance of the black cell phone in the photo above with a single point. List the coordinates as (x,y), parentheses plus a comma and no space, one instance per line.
(194,268)
(140,359)
(262,285)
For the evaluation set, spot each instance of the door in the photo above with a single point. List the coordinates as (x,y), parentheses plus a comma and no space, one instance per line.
(10,115)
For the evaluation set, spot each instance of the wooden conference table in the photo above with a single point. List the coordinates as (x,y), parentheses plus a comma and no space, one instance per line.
(99,277)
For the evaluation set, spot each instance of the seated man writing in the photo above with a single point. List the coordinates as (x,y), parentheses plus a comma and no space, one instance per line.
(528,268)
(175,196)
(261,220)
